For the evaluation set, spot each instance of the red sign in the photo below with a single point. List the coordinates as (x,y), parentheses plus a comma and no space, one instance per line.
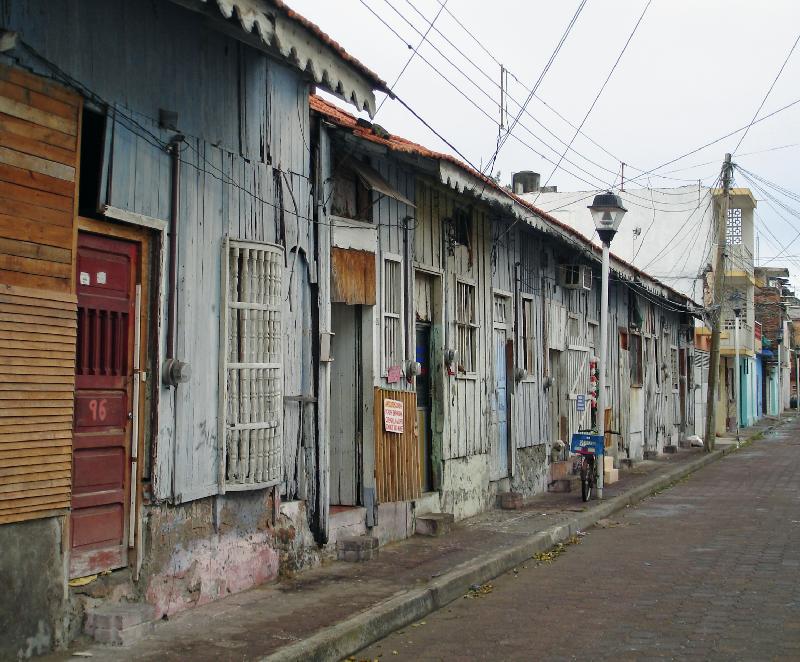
(394,374)
(393,415)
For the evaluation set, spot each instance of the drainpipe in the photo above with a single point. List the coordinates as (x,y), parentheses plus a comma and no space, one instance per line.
(175,371)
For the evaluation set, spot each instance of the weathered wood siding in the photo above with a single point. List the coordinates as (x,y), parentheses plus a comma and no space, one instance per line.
(39,138)
(245,173)
(396,454)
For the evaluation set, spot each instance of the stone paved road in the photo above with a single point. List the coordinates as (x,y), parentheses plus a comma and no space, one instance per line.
(707,570)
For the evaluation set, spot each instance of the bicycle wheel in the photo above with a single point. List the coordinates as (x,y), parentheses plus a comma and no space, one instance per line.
(586,486)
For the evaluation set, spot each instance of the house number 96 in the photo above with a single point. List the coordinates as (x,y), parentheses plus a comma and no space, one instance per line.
(98,409)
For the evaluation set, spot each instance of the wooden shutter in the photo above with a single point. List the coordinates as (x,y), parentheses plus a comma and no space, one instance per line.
(39,141)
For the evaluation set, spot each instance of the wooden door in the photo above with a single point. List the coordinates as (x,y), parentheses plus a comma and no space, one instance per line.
(346,418)
(106,286)
(500,406)
(424,403)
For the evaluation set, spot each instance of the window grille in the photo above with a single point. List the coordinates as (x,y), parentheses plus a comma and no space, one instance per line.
(392,305)
(529,355)
(734,227)
(635,349)
(466,322)
(251,379)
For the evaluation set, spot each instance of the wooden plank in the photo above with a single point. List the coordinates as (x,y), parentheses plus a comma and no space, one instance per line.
(37,116)
(59,487)
(41,321)
(30,387)
(24,295)
(52,469)
(29,154)
(48,283)
(28,360)
(39,443)
(13,412)
(34,420)
(32,454)
(36,406)
(13,505)
(42,233)
(39,101)
(36,267)
(21,127)
(33,513)
(39,84)
(33,436)
(21,208)
(44,199)
(35,251)
(36,309)
(13,171)
(6,369)
(64,334)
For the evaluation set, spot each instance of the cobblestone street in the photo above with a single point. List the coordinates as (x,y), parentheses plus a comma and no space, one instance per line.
(705,570)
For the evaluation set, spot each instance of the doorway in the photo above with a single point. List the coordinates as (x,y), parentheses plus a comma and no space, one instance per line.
(500,454)
(108,316)
(346,424)
(424,404)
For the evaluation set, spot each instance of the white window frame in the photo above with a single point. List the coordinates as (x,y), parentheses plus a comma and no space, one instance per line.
(257,442)
(527,298)
(471,326)
(386,315)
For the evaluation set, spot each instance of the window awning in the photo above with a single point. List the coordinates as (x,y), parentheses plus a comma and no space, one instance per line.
(372,179)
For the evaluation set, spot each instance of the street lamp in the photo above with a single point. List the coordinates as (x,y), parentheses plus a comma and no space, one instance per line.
(607,212)
(737,376)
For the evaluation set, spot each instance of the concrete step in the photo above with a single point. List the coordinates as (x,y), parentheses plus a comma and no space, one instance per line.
(434,524)
(670,450)
(347,521)
(627,462)
(568,484)
(510,500)
(356,548)
(560,469)
(610,476)
(651,455)
(119,624)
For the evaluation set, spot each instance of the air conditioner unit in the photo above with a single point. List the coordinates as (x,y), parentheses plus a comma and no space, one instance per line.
(575,276)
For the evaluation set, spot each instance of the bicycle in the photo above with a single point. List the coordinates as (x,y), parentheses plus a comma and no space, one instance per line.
(588,471)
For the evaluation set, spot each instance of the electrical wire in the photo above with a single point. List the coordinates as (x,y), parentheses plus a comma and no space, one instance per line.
(602,88)
(766,96)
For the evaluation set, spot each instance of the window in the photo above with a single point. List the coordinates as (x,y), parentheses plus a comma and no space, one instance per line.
(351,197)
(528,354)
(654,359)
(733,230)
(635,349)
(501,315)
(466,323)
(392,305)
(459,228)
(594,335)
(252,370)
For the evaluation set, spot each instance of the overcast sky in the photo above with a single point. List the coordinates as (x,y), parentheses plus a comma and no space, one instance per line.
(694,71)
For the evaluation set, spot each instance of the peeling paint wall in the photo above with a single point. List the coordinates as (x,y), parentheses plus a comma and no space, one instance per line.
(532,470)
(464,486)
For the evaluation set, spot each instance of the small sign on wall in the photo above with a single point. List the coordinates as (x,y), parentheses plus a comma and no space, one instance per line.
(393,415)
(395,372)
(580,402)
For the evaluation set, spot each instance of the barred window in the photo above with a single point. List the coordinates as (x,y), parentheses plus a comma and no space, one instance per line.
(528,355)
(675,365)
(466,323)
(635,349)
(392,305)
(251,379)
(733,231)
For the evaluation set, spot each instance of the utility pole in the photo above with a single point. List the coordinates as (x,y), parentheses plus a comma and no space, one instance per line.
(716,315)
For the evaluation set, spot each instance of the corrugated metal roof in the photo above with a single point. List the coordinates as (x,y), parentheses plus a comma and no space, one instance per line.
(341,118)
(302,42)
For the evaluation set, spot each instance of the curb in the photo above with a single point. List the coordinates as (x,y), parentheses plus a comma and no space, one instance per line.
(361,630)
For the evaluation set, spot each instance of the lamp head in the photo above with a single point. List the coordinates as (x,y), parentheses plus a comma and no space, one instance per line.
(607,212)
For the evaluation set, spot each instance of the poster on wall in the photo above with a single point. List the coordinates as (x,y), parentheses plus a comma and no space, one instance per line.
(393,415)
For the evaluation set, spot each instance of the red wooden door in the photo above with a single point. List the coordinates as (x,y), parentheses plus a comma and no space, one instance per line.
(106,286)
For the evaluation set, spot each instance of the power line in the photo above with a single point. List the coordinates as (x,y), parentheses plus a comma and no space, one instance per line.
(602,87)
(547,66)
(764,100)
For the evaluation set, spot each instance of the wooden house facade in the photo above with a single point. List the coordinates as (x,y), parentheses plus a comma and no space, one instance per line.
(162,283)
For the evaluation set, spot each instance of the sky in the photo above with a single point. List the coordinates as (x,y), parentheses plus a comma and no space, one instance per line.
(693,71)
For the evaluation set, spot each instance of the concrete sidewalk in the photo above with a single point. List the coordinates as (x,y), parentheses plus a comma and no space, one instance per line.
(332,611)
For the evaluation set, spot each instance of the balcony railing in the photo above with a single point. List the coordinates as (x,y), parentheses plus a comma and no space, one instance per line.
(728,339)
